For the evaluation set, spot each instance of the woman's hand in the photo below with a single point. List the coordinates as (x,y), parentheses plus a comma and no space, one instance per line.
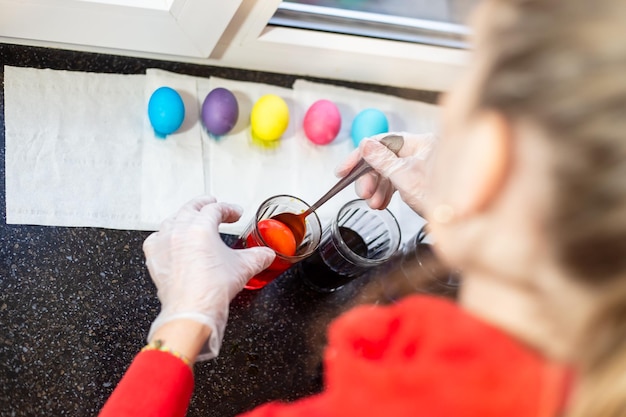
(195,273)
(405,172)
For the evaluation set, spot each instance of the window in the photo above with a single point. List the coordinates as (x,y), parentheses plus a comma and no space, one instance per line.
(416,44)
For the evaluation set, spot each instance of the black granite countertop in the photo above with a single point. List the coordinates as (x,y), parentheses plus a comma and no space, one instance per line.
(76,303)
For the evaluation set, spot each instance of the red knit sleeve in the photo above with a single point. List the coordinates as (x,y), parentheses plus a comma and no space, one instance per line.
(156,384)
(426,357)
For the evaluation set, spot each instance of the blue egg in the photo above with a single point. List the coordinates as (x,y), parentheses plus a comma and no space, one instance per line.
(166,111)
(368,123)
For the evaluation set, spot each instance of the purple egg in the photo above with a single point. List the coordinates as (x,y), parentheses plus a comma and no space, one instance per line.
(220,111)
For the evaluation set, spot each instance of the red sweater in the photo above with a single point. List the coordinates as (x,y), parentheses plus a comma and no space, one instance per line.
(421,357)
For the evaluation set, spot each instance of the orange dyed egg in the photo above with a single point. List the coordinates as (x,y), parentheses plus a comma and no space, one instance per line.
(277,236)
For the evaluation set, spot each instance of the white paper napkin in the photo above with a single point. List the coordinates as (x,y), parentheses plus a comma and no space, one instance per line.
(73,148)
(317,163)
(172,168)
(240,171)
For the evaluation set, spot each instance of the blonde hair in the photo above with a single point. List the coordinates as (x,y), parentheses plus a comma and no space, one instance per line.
(562,65)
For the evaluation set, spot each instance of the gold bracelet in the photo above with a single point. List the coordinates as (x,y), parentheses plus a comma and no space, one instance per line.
(158,345)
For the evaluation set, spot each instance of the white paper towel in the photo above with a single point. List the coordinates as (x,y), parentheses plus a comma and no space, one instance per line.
(318,163)
(240,171)
(172,168)
(73,148)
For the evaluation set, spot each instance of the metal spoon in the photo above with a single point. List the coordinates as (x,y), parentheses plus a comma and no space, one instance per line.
(296,222)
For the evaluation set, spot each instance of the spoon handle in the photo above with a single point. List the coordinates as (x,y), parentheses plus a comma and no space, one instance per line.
(393,142)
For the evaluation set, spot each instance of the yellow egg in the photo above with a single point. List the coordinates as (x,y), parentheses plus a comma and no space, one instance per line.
(269,118)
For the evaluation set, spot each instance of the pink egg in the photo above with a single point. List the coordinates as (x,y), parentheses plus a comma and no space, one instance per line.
(322,122)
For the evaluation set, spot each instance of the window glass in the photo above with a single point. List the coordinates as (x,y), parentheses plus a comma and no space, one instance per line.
(436,22)
(454,11)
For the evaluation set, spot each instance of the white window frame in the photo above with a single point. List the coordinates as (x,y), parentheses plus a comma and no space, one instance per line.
(189,28)
(230,33)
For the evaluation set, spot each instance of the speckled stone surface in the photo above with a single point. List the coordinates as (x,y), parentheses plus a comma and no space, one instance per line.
(76,303)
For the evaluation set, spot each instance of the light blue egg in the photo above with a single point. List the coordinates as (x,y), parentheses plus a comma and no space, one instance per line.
(166,111)
(368,123)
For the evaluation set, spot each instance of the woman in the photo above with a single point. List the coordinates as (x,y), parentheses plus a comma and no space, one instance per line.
(526,195)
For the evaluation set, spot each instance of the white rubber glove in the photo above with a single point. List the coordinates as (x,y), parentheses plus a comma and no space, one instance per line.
(407,172)
(195,273)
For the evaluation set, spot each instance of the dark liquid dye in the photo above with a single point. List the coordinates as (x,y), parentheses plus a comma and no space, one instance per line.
(319,275)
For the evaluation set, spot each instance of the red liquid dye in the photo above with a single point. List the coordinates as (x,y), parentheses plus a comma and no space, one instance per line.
(278,237)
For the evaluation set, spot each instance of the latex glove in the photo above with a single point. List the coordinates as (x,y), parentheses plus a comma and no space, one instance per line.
(407,172)
(195,273)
